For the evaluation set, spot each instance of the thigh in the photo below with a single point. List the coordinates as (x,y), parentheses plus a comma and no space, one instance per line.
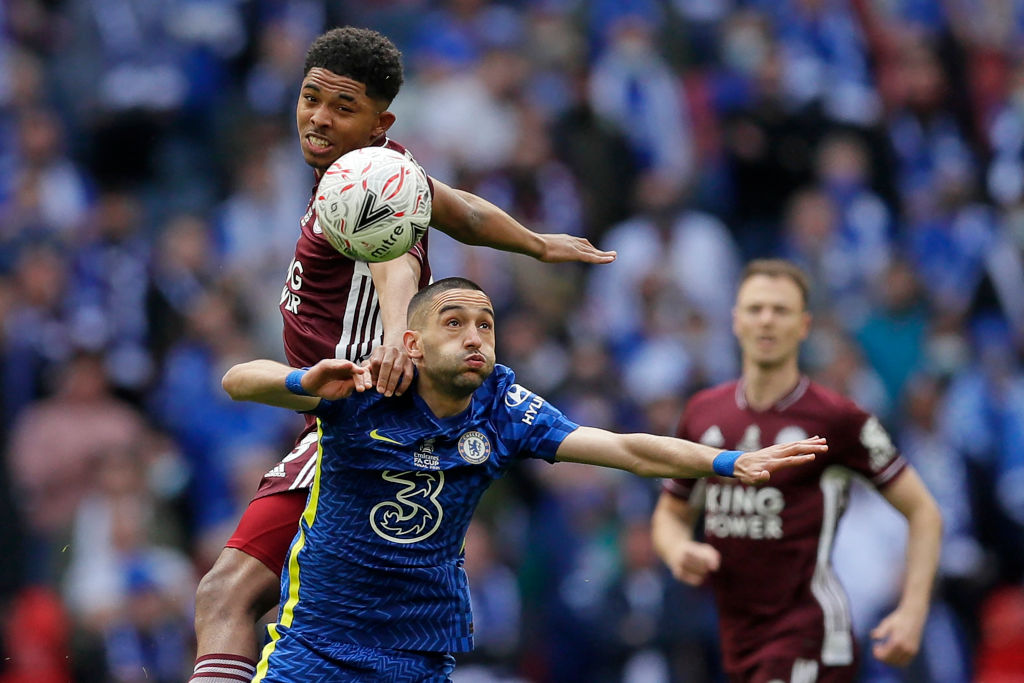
(268,526)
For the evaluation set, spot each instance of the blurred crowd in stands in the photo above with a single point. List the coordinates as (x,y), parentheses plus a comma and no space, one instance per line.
(151,187)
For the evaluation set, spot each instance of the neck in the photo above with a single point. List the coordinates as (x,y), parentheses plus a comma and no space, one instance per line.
(764,386)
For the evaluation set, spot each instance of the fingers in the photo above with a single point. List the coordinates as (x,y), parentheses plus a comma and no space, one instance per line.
(694,579)
(891,646)
(815,444)
(788,461)
(564,247)
(592,254)
(389,374)
(694,563)
(363,379)
(392,370)
(892,653)
(407,376)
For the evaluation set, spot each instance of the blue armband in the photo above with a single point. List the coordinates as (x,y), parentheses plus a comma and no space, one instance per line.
(293,382)
(725,462)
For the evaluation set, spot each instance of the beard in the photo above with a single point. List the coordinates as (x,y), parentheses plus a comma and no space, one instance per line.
(450,376)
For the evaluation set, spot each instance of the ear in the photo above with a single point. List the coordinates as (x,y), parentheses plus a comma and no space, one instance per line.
(807,320)
(412,343)
(385,120)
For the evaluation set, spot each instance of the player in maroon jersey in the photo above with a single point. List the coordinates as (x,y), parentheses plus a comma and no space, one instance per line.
(767,556)
(334,307)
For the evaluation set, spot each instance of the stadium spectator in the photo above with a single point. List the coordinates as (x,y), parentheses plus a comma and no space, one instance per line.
(80,421)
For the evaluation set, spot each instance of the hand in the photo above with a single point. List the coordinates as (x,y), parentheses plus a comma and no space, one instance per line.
(756,467)
(898,637)
(391,369)
(334,378)
(561,248)
(693,561)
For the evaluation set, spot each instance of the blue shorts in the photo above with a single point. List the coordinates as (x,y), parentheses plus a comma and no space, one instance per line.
(302,657)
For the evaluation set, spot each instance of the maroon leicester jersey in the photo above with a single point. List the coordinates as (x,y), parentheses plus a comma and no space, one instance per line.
(329,303)
(777,594)
(330,310)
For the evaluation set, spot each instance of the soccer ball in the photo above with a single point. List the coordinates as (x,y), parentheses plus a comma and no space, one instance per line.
(373,204)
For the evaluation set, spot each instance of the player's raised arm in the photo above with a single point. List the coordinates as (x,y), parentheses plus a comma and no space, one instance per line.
(474,220)
(396,282)
(276,384)
(661,456)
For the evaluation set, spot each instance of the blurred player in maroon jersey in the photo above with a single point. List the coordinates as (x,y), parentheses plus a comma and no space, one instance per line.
(334,307)
(783,613)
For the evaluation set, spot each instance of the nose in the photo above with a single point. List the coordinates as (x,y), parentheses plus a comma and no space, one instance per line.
(473,339)
(318,117)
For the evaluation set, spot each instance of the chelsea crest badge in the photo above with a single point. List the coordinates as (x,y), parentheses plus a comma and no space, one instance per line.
(474,447)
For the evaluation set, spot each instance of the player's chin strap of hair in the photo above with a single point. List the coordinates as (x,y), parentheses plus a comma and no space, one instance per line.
(724,463)
(293,382)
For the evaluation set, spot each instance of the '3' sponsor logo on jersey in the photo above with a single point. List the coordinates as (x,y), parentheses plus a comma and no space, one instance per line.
(414,514)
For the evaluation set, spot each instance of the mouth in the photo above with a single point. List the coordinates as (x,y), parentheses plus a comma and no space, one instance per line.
(317,144)
(476,361)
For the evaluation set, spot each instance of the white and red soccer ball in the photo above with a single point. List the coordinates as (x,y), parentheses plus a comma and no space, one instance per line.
(373,204)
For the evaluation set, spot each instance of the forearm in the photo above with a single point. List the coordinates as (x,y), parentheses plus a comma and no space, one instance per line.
(263,381)
(481,223)
(646,455)
(396,282)
(663,456)
(924,540)
(670,526)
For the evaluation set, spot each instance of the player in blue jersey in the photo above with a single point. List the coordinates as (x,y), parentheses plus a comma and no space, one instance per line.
(374,586)
(332,306)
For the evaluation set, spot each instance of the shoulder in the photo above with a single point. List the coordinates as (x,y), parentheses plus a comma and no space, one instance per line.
(718,395)
(708,406)
(501,384)
(402,149)
(834,406)
(509,401)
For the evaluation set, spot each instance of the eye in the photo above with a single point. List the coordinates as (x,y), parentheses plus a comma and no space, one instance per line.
(309,98)
(485,325)
(452,322)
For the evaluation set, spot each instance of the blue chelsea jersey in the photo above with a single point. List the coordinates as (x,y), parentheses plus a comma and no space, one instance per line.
(378,559)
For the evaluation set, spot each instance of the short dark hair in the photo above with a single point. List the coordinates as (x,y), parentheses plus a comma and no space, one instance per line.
(421,298)
(361,54)
(776,267)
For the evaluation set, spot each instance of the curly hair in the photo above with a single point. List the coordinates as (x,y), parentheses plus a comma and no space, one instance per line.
(361,54)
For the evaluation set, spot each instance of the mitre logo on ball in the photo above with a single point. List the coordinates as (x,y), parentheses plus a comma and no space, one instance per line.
(373,204)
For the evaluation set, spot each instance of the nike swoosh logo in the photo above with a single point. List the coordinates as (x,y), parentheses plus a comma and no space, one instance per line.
(380,437)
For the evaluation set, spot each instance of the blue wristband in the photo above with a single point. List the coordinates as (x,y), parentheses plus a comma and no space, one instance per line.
(725,463)
(293,382)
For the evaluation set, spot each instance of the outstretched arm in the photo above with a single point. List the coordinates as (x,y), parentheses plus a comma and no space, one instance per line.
(264,381)
(898,636)
(473,220)
(661,456)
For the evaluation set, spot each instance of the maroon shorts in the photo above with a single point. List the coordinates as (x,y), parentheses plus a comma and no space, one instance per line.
(296,470)
(268,526)
(795,671)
